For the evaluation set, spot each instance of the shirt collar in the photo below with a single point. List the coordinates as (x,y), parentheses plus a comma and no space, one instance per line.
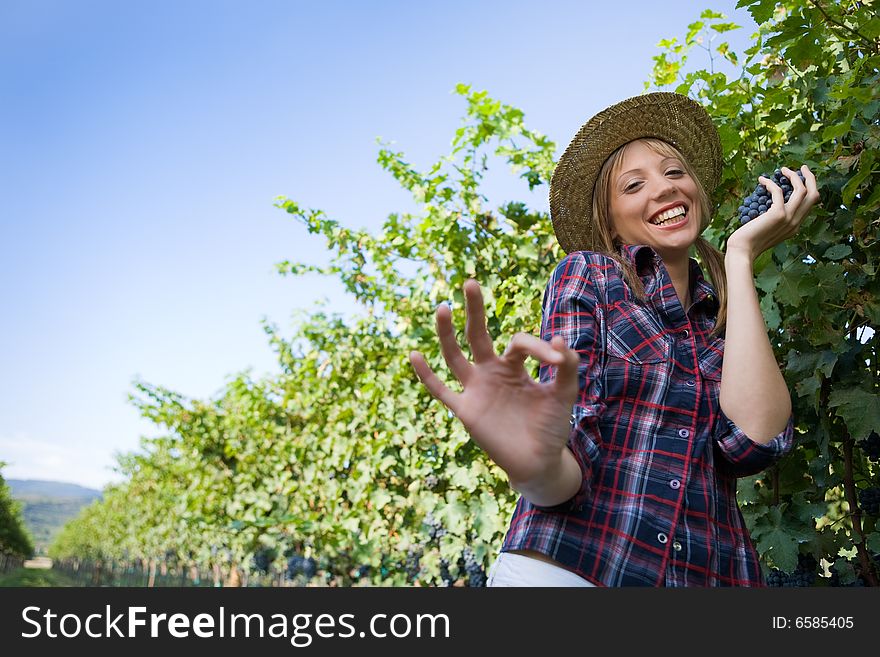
(642,258)
(647,264)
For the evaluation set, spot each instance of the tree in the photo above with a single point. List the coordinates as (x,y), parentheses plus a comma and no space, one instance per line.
(14,538)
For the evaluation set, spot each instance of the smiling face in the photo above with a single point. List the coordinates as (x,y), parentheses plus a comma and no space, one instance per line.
(652,199)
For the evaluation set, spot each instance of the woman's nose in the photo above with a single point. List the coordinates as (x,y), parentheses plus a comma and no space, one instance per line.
(663,187)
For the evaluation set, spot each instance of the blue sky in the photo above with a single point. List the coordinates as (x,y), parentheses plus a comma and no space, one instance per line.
(142,145)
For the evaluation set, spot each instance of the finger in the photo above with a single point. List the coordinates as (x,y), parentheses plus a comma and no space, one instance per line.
(798,191)
(798,205)
(811,195)
(475,327)
(567,375)
(432,382)
(452,353)
(812,185)
(523,345)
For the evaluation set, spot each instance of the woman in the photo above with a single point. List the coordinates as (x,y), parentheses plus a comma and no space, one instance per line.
(657,390)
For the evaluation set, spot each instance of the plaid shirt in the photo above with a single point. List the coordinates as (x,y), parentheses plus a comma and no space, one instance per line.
(657,506)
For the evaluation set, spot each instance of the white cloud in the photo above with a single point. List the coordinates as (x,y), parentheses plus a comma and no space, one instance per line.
(30,458)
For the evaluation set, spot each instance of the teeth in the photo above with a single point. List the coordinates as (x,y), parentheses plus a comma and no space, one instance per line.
(667,216)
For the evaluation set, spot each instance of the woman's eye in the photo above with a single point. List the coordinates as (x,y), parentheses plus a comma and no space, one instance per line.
(677,171)
(631,186)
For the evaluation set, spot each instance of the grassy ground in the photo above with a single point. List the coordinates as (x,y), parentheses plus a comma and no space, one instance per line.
(35,577)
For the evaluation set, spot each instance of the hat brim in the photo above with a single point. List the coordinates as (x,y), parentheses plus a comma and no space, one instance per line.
(674,118)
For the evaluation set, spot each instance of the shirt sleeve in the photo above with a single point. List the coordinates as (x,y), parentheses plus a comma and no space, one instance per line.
(740,455)
(570,309)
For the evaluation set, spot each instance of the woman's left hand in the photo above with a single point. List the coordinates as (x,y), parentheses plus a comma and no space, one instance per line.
(782,220)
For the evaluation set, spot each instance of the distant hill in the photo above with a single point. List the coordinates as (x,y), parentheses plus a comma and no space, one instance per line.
(48,505)
(25,488)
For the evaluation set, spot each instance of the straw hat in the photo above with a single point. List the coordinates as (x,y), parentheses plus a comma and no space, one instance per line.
(674,118)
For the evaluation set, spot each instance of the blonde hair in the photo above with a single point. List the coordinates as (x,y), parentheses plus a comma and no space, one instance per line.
(603,227)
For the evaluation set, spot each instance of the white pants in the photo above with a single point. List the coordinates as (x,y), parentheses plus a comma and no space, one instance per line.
(520,570)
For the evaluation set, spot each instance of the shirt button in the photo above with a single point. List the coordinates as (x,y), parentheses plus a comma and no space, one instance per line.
(675,484)
(661,537)
(690,383)
(685,334)
(684,433)
(676,546)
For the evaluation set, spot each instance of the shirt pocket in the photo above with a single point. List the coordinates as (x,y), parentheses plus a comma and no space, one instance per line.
(635,335)
(638,356)
(710,360)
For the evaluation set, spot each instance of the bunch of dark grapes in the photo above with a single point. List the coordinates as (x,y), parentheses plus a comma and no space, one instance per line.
(412,566)
(869,501)
(805,573)
(309,567)
(445,575)
(871,446)
(759,201)
(776,578)
(476,576)
(803,576)
(807,562)
(435,527)
(294,566)
(262,561)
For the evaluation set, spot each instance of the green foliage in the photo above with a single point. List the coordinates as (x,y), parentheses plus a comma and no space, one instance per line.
(30,578)
(344,456)
(14,538)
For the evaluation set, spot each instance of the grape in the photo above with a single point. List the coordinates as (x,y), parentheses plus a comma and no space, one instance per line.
(294,566)
(871,446)
(777,578)
(298,565)
(806,571)
(445,575)
(262,560)
(759,201)
(412,567)
(807,563)
(309,567)
(869,501)
(435,527)
(804,574)
(801,578)
(476,576)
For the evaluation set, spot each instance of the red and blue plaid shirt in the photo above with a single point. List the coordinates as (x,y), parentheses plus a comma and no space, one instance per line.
(659,458)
